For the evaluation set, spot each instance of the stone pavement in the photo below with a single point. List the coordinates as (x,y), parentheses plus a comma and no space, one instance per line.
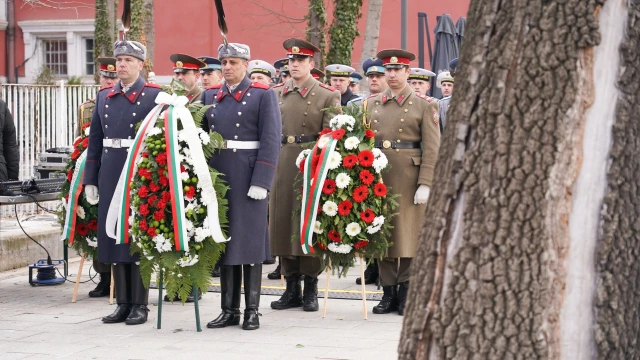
(41,321)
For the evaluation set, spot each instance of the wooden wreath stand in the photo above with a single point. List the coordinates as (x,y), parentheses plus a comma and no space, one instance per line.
(362,289)
(77,285)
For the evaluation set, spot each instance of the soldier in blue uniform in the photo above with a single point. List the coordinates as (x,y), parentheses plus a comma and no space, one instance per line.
(354,82)
(282,66)
(118,109)
(374,71)
(211,73)
(247,116)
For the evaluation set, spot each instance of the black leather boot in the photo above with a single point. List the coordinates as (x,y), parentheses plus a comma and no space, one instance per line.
(403,290)
(230,281)
(103,287)
(389,300)
(370,274)
(216,271)
(139,298)
(275,274)
(292,296)
(121,285)
(310,296)
(252,282)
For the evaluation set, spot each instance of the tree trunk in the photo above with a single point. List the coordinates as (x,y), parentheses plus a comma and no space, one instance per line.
(315,29)
(530,244)
(371,32)
(149,33)
(105,31)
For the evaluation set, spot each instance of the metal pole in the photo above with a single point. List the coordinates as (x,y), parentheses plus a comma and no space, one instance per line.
(404,23)
(421,33)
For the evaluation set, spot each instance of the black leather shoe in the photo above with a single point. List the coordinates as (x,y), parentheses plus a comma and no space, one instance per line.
(216,271)
(225,319)
(138,315)
(190,298)
(269,261)
(118,316)
(403,290)
(275,274)
(292,296)
(389,301)
(310,296)
(370,274)
(251,319)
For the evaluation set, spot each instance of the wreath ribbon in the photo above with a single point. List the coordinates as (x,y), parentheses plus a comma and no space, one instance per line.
(75,190)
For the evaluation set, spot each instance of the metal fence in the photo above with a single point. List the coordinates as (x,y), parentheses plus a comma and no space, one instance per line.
(45,116)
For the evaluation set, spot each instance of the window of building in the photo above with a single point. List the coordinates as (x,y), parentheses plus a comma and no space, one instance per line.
(89,61)
(55,55)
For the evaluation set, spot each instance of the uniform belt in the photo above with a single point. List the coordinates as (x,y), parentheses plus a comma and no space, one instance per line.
(294,139)
(117,143)
(240,145)
(387,144)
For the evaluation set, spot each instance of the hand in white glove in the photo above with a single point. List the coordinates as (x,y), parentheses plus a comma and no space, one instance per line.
(422,195)
(257,192)
(151,78)
(91,192)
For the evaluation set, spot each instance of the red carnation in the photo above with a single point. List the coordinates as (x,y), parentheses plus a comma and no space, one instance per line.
(191,192)
(302,165)
(152,199)
(161,158)
(369,134)
(338,134)
(380,189)
(166,196)
(360,244)
(367,216)
(86,125)
(366,158)
(144,209)
(75,154)
(322,247)
(85,142)
(70,175)
(360,193)
(78,141)
(344,208)
(154,187)
(334,236)
(325,131)
(143,225)
(93,225)
(145,173)
(350,161)
(158,215)
(366,177)
(145,154)
(151,231)
(161,205)
(143,192)
(82,229)
(183,169)
(164,181)
(329,186)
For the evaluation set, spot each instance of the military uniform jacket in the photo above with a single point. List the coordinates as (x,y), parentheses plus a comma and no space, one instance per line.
(407,118)
(249,113)
(85,114)
(114,117)
(302,115)
(443,107)
(347,96)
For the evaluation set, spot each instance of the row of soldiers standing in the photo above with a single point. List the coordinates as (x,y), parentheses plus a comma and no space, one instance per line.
(264,128)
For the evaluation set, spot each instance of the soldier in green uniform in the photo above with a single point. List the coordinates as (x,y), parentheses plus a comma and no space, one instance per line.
(406,127)
(108,77)
(301,100)
(186,69)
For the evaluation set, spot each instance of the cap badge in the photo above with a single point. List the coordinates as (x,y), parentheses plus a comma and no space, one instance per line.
(179,64)
(295,49)
(257,63)
(202,59)
(286,67)
(111,67)
(394,59)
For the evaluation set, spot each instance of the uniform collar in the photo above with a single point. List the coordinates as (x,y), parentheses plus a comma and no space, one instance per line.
(133,93)
(194,94)
(346,96)
(238,92)
(402,96)
(304,90)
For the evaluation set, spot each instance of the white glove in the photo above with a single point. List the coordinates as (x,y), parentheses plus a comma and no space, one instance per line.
(151,78)
(257,192)
(422,195)
(91,192)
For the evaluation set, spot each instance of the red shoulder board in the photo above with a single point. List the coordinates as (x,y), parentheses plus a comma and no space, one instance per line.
(259,85)
(214,87)
(106,87)
(327,87)
(372,95)
(152,85)
(277,85)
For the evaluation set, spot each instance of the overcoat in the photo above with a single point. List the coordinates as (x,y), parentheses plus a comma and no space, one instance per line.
(443,107)
(249,113)
(302,115)
(115,116)
(408,118)
(347,96)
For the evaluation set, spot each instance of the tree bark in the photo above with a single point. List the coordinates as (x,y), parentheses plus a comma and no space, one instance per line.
(316,29)
(371,32)
(149,33)
(530,239)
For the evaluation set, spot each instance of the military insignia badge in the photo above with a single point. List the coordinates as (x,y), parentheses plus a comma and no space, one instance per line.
(394,60)
(179,64)
(295,49)
(111,67)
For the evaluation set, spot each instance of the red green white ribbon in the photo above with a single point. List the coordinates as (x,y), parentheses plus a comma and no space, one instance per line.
(75,190)
(312,184)
(175,182)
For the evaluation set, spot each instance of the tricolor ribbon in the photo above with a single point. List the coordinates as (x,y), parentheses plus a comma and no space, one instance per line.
(312,183)
(75,190)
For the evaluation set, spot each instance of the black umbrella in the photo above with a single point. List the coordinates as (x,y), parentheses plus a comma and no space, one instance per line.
(446,49)
(460,24)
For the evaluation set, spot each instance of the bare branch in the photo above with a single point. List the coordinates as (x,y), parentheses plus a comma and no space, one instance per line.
(60,5)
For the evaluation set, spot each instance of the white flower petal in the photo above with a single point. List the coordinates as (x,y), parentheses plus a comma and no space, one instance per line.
(343,180)
(330,208)
(353,229)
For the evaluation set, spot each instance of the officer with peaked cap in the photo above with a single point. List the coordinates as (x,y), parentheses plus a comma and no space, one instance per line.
(317,74)
(419,80)
(118,109)
(261,71)
(406,127)
(302,100)
(354,82)
(339,78)
(282,66)
(186,69)
(374,71)
(211,73)
(445,82)
(246,114)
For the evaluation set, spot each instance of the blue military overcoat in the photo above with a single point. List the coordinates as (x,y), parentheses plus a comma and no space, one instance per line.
(249,113)
(114,117)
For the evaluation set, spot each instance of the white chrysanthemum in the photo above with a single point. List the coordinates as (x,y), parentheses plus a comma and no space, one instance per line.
(373,229)
(93,242)
(205,222)
(341,249)
(191,260)
(80,212)
(303,154)
(353,229)
(376,153)
(316,228)
(351,143)
(131,220)
(330,208)
(188,225)
(202,233)
(378,220)
(183,135)
(335,160)
(323,141)
(380,163)
(204,137)
(340,121)
(184,176)
(342,180)
(155,131)
(162,244)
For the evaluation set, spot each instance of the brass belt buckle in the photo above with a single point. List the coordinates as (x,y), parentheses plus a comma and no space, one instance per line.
(291,139)
(224,144)
(386,144)
(116,143)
